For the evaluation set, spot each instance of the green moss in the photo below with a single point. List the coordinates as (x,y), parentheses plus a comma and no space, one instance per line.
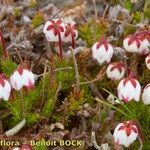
(17,12)
(65,76)
(38,19)
(128,5)
(137,16)
(40,146)
(32,3)
(92,31)
(146,9)
(129,30)
(8,67)
(29,100)
(32,118)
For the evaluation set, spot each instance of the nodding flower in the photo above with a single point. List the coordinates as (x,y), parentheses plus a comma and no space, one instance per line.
(132,44)
(5,88)
(115,71)
(102,51)
(71,33)
(146,95)
(138,43)
(147,61)
(126,133)
(129,89)
(54,32)
(22,78)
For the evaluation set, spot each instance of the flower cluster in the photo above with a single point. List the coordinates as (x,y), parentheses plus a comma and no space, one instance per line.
(21,77)
(129,87)
(58,30)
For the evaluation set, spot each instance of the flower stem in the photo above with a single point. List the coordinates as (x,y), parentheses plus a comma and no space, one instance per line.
(60,46)
(3,45)
(76,69)
(73,41)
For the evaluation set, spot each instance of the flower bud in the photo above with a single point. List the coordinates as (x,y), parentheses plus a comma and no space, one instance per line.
(5,88)
(22,77)
(146,95)
(125,133)
(115,71)
(129,88)
(132,44)
(102,51)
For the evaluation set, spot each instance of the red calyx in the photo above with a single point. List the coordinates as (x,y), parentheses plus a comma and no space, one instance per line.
(135,39)
(20,70)
(138,37)
(128,127)
(56,27)
(117,65)
(133,82)
(70,30)
(104,42)
(2,77)
(143,35)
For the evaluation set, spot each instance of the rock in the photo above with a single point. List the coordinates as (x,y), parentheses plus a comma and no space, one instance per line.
(26,19)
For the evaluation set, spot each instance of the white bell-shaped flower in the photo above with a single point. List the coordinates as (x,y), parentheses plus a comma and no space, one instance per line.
(132,44)
(129,89)
(16,80)
(147,61)
(115,71)
(146,95)
(145,47)
(28,79)
(22,77)
(54,30)
(125,133)
(5,88)
(102,51)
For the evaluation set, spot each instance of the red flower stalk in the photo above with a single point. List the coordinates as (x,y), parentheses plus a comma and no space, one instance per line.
(71,33)
(3,45)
